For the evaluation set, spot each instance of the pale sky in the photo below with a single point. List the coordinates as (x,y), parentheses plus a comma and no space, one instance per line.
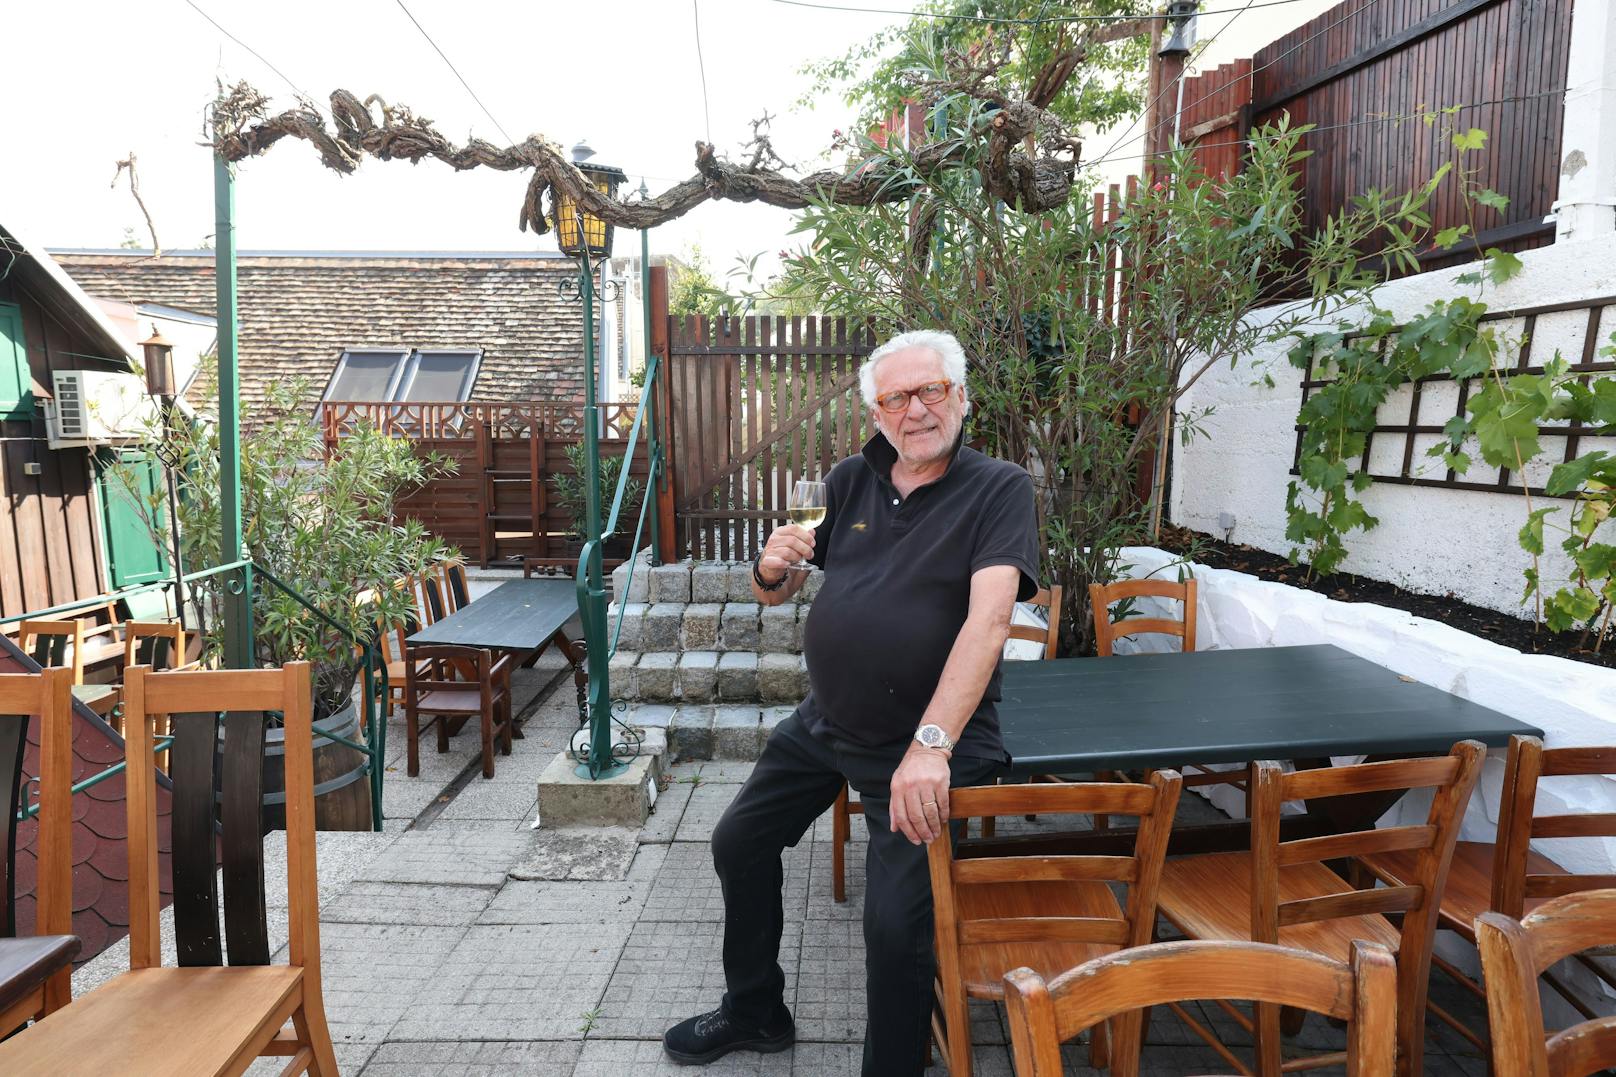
(87,82)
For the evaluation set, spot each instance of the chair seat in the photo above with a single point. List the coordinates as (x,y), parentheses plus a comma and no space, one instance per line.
(1470,880)
(983,965)
(1209,897)
(450,701)
(26,963)
(160,1022)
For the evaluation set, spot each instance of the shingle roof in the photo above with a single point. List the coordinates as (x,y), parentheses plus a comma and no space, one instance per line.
(298,310)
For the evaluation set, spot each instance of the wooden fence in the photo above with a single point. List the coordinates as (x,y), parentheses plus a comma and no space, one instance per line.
(1363,73)
(498,504)
(754,404)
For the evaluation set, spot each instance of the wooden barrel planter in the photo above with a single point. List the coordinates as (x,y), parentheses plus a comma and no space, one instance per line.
(341,785)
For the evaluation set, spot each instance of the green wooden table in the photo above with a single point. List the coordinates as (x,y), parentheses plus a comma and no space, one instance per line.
(524,616)
(1305,704)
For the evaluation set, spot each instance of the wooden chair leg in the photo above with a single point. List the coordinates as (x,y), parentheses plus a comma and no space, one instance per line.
(957,1023)
(412,741)
(485,722)
(840,829)
(1100,1046)
(1291,1019)
(1268,1040)
(309,1021)
(990,826)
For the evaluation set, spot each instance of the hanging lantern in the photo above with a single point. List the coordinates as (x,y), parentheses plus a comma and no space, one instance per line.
(577,230)
(1181,24)
(159,365)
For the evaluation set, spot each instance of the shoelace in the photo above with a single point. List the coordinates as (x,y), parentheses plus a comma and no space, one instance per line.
(709,1023)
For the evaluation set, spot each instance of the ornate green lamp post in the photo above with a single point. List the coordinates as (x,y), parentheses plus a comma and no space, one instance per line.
(588,239)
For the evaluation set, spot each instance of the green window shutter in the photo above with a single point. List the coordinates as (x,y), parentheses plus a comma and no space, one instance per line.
(133,554)
(16,384)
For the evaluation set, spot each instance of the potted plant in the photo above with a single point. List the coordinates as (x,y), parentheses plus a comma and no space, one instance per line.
(570,497)
(323,522)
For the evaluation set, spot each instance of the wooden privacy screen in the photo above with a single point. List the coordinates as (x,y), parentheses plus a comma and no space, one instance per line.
(497,503)
(1363,71)
(1412,418)
(755,404)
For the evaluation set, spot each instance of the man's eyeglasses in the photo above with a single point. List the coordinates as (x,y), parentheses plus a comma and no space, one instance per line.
(933,392)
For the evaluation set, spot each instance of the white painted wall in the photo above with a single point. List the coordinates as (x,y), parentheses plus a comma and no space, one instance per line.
(1429,541)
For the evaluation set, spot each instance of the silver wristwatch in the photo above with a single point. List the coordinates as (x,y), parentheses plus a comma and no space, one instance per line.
(932,736)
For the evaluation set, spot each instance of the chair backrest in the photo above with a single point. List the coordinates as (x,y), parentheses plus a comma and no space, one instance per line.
(1451,776)
(155,644)
(1049,635)
(1153,804)
(1528,762)
(433,604)
(456,588)
(1514,953)
(435,666)
(47,697)
(209,834)
(1107,631)
(1364,994)
(54,643)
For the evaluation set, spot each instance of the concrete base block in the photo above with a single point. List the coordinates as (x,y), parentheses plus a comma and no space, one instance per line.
(690,734)
(624,799)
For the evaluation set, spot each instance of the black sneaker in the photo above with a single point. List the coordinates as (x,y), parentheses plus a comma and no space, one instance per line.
(711,1036)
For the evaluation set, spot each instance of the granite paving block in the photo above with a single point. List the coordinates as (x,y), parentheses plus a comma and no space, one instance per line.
(740,582)
(493,800)
(669,808)
(736,732)
(773,716)
(740,627)
(671,971)
(645,1058)
(454,857)
(633,620)
(474,1058)
(631,590)
(650,715)
(586,854)
(621,671)
(777,628)
(671,583)
(810,587)
(707,804)
(575,902)
(781,678)
(698,631)
(709,582)
(737,675)
(690,734)
(660,628)
(372,973)
(515,982)
(406,903)
(656,677)
(698,676)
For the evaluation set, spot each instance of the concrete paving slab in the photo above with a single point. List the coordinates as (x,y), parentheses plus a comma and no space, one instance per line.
(666,813)
(454,857)
(584,854)
(473,1058)
(645,1058)
(406,903)
(707,804)
(687,890)
(485,799)
(551,902)
(515,982)
(372,973)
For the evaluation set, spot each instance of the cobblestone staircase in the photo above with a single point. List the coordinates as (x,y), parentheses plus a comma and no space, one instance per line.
(699,659)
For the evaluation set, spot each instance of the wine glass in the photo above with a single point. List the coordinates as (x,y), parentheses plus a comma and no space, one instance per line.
(806,509)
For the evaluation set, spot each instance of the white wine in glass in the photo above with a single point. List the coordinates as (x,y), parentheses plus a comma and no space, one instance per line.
(806,509)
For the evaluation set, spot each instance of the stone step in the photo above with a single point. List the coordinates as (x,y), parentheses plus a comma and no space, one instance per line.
(709,626)
(708,677)
(728,731)
(694,581)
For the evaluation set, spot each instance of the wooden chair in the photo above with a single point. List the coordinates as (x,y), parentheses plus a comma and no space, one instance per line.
(845,807)
(1508,876)
(205,1016)
(1107,632)
(1281,891)
(995,913)
(456,587)
(1514,953)
(157,645)
(1361,991)
(65,643)
(36,971)
(432,686)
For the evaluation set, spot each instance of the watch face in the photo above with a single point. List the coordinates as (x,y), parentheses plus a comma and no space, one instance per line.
(929,735)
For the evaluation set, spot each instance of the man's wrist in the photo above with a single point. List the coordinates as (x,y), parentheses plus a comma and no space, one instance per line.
(757,576)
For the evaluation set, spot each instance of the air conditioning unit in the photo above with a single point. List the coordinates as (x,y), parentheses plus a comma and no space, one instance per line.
(97,407)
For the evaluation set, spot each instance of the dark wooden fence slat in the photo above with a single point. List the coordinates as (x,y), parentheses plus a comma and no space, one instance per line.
(196,900)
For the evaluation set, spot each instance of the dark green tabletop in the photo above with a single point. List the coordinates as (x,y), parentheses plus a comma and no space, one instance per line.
(518,615)
(1227,706)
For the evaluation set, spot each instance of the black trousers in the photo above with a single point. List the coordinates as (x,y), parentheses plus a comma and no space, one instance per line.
(795,780)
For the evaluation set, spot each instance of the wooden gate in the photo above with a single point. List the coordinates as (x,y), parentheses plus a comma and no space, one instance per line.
(754,404)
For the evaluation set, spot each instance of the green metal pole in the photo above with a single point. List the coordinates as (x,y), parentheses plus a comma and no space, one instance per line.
(601,763)
(237,607)
(653,452)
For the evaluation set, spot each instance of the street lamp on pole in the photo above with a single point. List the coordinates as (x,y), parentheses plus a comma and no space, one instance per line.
(585,236)
(159,355)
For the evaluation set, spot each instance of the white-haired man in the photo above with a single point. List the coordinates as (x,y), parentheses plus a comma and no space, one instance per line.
(926,546)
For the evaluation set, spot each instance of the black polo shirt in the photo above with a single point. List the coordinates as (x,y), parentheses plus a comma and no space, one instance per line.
(897,589)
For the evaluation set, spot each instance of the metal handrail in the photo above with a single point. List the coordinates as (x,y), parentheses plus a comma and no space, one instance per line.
(113,596)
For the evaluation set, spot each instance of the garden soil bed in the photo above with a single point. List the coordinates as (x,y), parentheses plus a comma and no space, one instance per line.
(1490,625)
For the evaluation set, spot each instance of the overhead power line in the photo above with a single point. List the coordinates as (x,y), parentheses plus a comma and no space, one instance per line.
(701,65)
(497,126)
(295,87)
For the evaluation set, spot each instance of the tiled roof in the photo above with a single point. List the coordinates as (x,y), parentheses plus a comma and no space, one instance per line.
(299,310)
